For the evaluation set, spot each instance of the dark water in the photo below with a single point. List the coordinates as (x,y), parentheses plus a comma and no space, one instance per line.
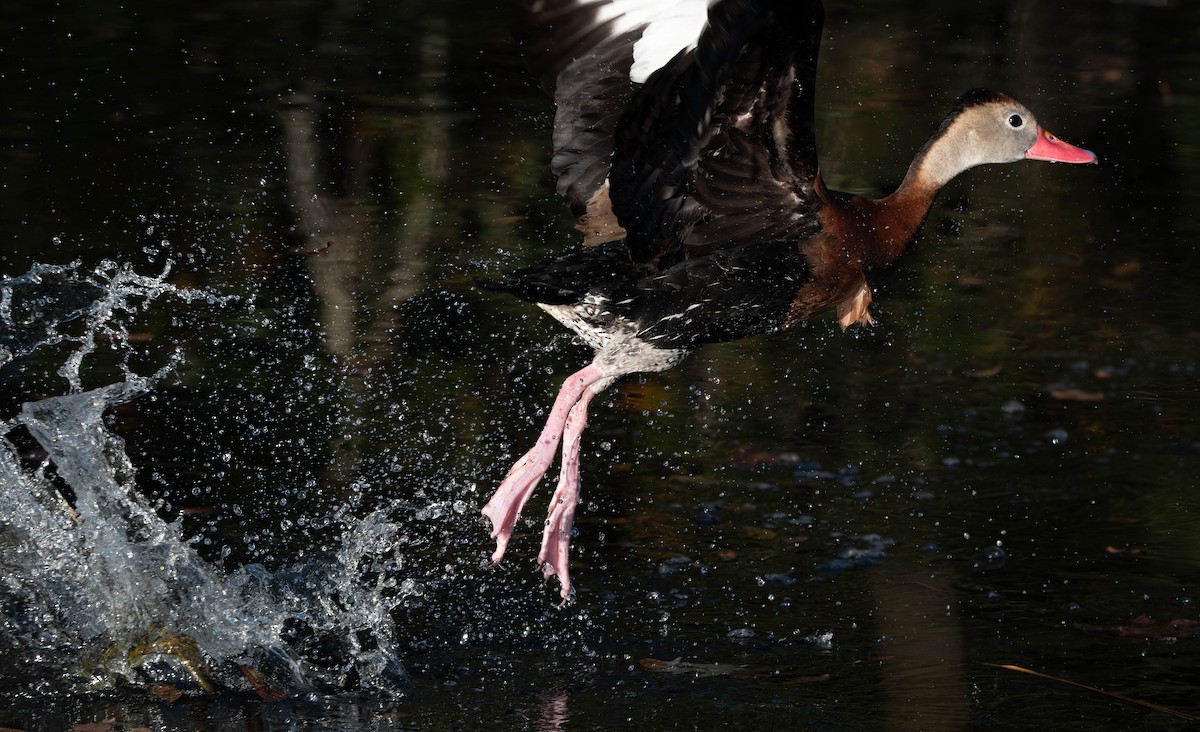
(840,531)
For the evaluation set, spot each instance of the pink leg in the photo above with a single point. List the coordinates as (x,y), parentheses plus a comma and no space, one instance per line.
(556,538)
(505,506)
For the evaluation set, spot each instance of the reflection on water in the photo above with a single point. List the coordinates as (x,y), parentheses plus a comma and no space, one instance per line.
(553,712)
(811,527)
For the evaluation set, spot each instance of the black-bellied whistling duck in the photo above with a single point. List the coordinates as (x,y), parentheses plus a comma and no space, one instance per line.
(683,139)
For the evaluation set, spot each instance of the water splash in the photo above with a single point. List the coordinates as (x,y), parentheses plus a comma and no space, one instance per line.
(62,304)
(99,587)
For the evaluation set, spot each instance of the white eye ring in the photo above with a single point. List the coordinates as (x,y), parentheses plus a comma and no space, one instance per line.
(1015,121)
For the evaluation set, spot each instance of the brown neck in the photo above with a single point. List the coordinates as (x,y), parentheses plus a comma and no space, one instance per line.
(897,218)
(878,231)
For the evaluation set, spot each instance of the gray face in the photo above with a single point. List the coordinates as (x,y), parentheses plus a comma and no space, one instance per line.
(1000,130)
(997,132)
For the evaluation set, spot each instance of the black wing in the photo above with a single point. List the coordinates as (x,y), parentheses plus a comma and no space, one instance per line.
(695,122)
(582,52)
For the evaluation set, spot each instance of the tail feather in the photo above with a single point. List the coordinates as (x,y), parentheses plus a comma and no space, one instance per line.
(530,289)
(567,279)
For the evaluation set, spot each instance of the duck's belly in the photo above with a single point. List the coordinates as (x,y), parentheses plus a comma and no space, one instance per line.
(615,338)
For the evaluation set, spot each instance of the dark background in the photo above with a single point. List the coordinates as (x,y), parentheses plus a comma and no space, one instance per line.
(846,527)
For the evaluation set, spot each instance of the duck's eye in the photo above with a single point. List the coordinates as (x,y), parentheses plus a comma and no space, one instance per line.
(1015,121)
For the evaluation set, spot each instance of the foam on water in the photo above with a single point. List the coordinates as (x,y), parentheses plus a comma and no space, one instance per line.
(98,587)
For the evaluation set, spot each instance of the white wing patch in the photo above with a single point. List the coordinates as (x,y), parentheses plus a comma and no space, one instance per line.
(671,26)
(677,25)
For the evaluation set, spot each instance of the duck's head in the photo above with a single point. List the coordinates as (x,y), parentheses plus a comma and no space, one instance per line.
(989,127)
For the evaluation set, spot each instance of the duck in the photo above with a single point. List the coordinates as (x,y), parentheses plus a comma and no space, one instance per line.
(683,140)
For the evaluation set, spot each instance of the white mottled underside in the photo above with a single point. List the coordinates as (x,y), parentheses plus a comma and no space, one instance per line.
(618,348)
